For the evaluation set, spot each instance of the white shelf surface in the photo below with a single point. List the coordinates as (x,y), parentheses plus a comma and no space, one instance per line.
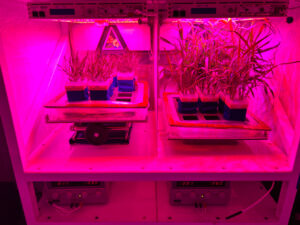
(213,156)
(58,156)
(148,202)
(145,158)
(242,195)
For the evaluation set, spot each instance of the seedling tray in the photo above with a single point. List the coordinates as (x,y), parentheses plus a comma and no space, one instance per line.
(210,126)
(122,107)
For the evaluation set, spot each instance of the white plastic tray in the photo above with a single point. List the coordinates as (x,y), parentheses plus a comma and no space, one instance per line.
(202,128)
(116,109)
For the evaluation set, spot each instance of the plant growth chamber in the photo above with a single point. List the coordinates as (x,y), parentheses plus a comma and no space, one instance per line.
(152,112)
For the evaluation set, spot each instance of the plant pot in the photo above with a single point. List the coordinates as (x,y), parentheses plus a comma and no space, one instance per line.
(221,102)
(187,103)
(235,110)
(77,92)
(101,90)
(208,104)
(126,82)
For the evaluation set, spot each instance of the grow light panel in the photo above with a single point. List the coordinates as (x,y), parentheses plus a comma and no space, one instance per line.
(86,10)
(223,8)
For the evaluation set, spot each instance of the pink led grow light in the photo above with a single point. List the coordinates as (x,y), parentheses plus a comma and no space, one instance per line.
(100,22)
(201,20)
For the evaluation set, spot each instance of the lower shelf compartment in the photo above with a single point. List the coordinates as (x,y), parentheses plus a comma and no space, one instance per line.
(149,202)
(242,195)
(128,202)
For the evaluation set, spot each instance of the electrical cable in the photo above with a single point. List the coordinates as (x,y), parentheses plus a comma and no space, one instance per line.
(201,209)
(65,210)
(296,7)
(205,209)
(253,204)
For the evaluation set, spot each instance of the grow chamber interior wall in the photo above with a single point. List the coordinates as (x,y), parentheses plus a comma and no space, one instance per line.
(34,52)
(156,198)
(280,112)
(137,37)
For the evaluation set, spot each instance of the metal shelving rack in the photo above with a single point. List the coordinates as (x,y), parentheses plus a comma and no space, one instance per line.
(145,166)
